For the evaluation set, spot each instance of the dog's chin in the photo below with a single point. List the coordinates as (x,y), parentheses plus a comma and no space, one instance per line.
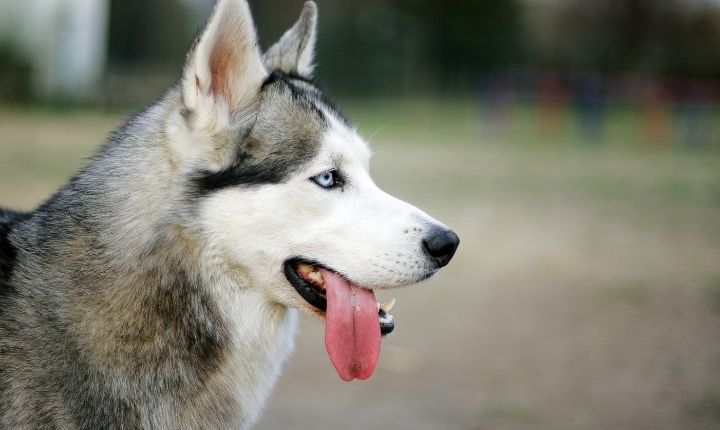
(305,277)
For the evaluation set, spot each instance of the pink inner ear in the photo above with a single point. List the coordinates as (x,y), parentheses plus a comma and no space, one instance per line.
(223,65)
(226,59)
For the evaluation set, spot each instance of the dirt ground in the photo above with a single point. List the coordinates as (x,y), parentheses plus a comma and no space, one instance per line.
(585,293)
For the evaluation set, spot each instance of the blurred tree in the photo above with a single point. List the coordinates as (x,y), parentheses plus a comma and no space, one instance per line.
(674,37)
(15,74)
(406,45)
(465,39)
(156,33)
(403,46)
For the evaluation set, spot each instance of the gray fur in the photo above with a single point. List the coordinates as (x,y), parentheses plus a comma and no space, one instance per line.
(106,320)
(293,53)
(290,122)
(149,292)
(75,271)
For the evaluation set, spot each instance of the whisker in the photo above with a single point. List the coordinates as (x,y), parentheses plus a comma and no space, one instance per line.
(381,128)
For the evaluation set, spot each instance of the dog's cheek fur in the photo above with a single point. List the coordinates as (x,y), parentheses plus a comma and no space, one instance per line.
(271,213)
(373,238)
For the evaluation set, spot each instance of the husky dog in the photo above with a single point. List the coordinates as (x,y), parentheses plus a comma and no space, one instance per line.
(160,287)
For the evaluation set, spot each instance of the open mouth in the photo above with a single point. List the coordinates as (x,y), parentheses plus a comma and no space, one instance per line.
(354,320)
(307,279)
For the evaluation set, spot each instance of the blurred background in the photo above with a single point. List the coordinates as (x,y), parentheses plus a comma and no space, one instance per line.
(574,145)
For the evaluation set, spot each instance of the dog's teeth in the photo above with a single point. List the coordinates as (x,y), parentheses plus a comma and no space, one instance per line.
(387,307)
(304,269)
(317,277)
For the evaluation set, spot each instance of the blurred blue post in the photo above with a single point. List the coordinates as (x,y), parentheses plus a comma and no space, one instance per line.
(496,100)
(695,116)
(590,106)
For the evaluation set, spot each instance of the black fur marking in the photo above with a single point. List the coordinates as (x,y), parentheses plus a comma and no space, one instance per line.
(313,96)
(277,75)
(271,165)
(305,96)
(240,173)
(193,323)
(274,168)
(8,253)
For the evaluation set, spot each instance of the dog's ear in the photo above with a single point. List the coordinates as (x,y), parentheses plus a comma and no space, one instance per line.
(295,51)
(224,71)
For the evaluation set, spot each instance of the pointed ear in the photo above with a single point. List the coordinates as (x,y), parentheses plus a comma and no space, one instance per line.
(295,51)
(224,71)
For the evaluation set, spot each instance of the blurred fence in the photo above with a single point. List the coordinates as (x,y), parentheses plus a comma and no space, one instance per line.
(682,113)
(511,54)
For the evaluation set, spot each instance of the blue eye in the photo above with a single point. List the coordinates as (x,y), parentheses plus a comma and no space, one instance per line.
(327,179)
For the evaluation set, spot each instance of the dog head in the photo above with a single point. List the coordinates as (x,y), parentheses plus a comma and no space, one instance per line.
(282,178)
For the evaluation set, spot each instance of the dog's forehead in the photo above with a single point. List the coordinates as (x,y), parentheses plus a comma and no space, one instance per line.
(296,127)
(304,93)
(344,144)
(315,114)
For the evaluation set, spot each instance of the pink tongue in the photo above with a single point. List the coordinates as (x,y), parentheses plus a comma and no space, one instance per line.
(352,330)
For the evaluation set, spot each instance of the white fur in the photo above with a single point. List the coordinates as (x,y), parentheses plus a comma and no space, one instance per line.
(372,238)
(369,236)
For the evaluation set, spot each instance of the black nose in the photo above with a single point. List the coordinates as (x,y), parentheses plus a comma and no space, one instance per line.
(441,244)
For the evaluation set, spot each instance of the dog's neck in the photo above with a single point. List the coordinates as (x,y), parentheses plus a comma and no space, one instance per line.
(169,337)
(195,331)
(193,344)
